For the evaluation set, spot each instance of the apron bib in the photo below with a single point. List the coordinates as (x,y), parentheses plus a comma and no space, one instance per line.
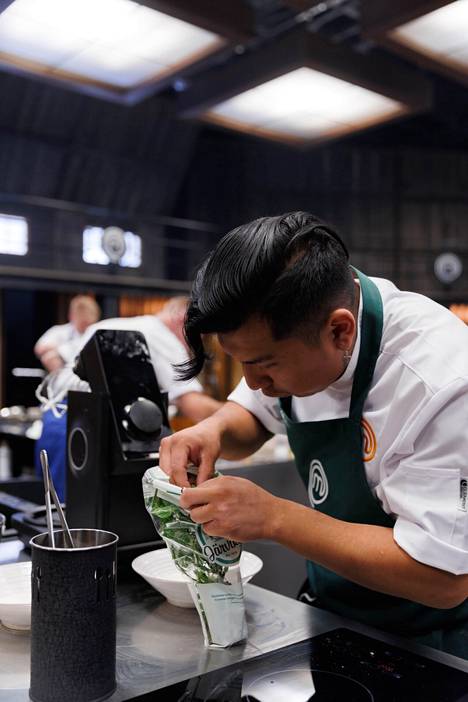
(328,455)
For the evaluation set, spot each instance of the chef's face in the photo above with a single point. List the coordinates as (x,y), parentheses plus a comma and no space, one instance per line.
(291,366)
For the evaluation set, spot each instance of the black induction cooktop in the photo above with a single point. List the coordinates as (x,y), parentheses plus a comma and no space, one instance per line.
(340,665)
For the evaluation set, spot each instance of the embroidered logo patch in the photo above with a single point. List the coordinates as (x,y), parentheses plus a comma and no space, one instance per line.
(318,483)
(369,442)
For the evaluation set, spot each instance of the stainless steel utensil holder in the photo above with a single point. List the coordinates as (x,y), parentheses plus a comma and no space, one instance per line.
(73,617)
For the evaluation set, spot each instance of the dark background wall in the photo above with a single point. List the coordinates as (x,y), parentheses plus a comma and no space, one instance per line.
(397,194)
(69,160)
(396,206)
(59,144)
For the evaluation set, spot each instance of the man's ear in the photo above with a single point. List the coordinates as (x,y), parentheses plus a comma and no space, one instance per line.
(342,325)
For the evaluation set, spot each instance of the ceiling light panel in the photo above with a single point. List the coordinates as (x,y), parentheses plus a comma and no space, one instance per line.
(305,104)
(115,42)
(441,33)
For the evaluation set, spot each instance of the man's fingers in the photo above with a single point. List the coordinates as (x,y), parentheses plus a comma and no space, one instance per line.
(180,450)
(165,456)
(206,467)
(202,514)
(179,461)
(194,497)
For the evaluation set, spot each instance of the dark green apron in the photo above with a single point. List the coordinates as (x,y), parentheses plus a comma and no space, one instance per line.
(329,457)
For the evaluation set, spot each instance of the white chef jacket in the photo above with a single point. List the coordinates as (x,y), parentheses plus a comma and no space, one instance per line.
(164,347)
(59,336)
(415,422)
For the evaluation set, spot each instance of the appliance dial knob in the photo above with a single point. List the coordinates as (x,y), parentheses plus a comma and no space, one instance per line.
(145,416)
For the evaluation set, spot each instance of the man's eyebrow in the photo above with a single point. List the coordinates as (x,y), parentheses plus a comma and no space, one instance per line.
(260,359)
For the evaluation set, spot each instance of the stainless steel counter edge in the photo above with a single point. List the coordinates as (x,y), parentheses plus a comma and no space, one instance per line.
(159,644)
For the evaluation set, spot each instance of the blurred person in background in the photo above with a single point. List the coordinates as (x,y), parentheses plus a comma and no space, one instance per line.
(163,332)
(164,335)
(82,312)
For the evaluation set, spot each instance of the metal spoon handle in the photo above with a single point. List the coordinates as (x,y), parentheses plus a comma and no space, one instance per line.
(58,506)
(48,505)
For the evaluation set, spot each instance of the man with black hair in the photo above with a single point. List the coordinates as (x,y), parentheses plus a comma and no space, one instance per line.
(371,386)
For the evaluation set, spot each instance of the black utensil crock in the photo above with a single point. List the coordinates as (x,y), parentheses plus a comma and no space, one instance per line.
(73,615)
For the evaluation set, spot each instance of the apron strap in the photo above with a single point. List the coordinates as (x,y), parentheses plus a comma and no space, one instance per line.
(371,335)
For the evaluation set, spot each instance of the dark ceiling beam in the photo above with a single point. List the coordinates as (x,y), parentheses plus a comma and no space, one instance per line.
(232,19)
(184,74)
(243,72)
(379,16)
(299,48)
(9,275)
(106,212)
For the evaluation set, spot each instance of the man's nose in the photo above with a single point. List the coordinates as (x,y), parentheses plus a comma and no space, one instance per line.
(254,377)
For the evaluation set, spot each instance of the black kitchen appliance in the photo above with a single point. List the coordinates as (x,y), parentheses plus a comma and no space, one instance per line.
(338,665)
(32,521)
(20,495)
(113,436)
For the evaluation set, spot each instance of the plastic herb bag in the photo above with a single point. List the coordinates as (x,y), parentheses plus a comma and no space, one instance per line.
(210,562)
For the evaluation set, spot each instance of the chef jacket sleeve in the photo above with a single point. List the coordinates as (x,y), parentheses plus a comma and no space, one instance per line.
(56,335)
(163,346)
(428,490)
(70,349)
(167,381)
(265,409)
(48,337)
(165,350)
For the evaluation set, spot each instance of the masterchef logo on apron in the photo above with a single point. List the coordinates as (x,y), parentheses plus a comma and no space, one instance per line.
(318,483)
(369,442)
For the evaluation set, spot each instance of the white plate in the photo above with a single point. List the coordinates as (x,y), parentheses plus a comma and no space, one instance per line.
(158,569)
(15,595)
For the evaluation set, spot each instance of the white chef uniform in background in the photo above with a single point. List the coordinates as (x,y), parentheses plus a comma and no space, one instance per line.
(60,336)
(164,347)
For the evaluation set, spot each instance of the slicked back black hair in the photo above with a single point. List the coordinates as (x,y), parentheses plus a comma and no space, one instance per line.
(291,270)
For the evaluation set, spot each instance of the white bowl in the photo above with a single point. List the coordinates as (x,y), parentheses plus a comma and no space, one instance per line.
(158,569)
(15,595)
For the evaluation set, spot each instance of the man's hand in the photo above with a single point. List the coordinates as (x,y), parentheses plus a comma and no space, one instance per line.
(51,360)
(232,432)
(368,555)
(197,445)
(234,508)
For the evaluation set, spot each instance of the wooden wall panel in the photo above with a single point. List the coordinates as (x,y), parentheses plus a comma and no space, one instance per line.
(434,225)
(434,173)
(135,305)
(395,208)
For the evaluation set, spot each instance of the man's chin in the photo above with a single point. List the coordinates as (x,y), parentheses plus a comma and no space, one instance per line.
(287,393)
(276,393)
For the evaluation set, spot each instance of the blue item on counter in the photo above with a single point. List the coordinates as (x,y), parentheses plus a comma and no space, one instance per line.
(54,440)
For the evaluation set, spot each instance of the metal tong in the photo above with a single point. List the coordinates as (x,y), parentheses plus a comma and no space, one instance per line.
(50,491)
